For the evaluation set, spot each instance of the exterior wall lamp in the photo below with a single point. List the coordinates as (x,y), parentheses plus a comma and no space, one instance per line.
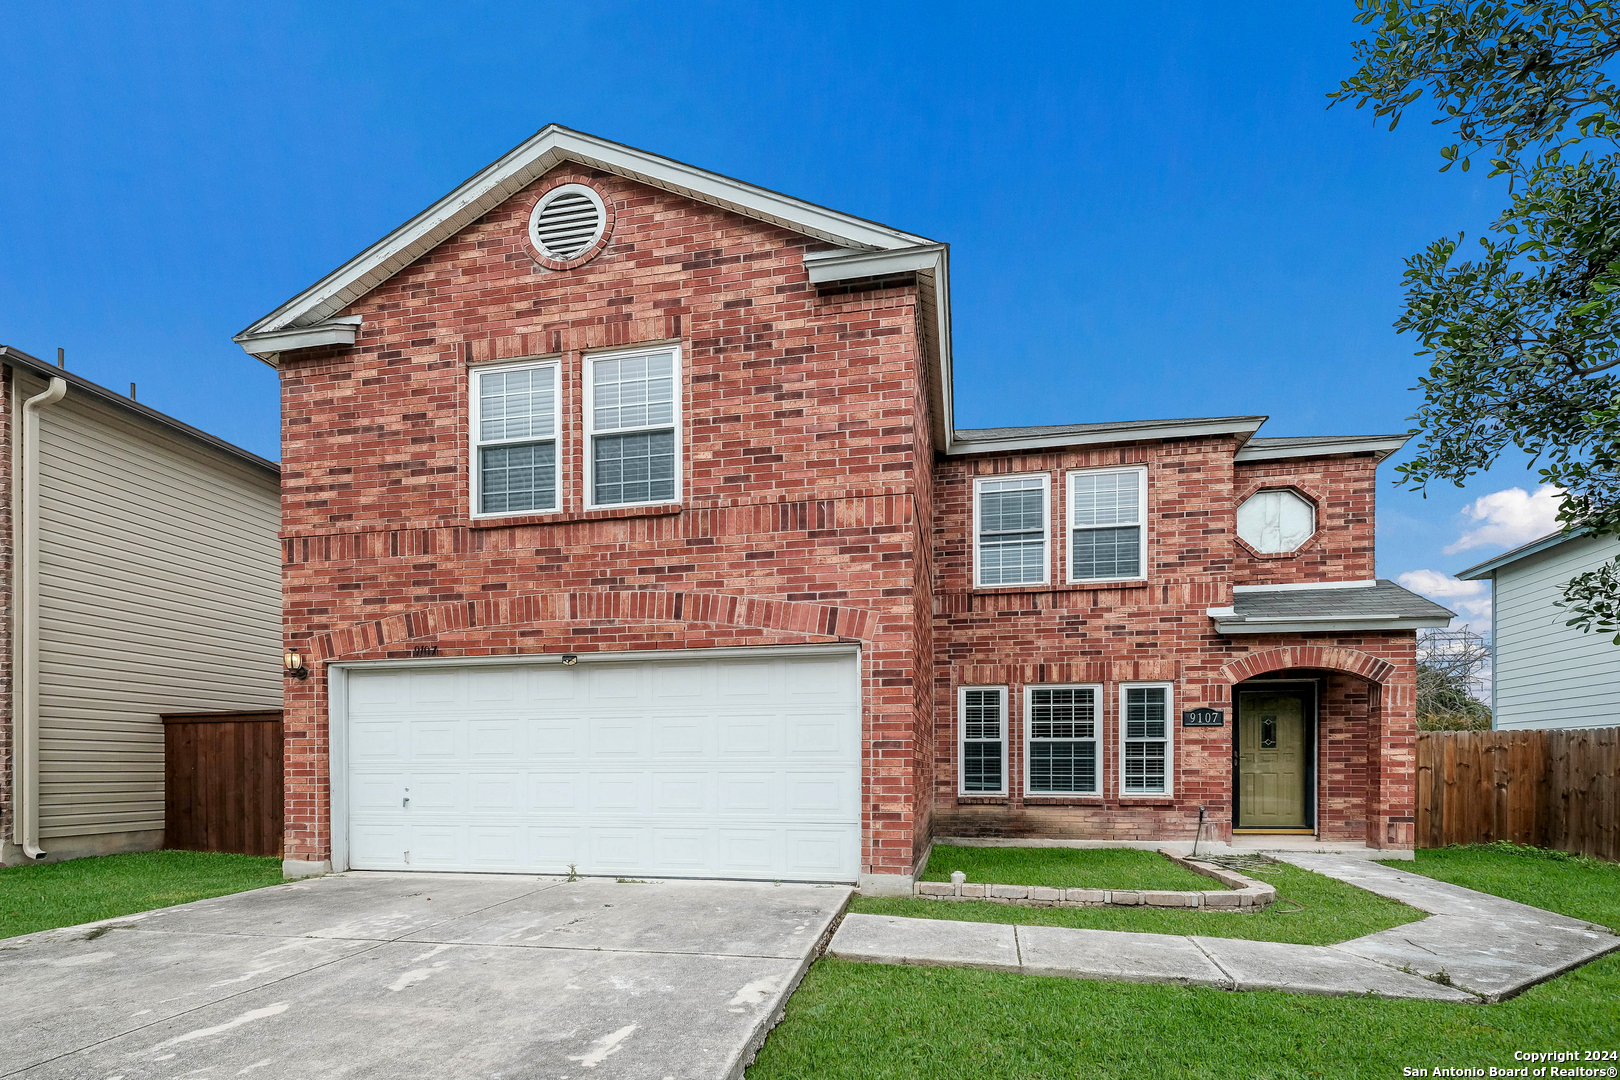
(293,661)
(569,660)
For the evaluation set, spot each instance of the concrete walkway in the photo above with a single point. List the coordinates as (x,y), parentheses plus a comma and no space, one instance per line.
(432,975)
(1472,948)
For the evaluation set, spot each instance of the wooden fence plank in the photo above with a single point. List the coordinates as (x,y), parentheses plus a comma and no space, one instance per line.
(1550,788)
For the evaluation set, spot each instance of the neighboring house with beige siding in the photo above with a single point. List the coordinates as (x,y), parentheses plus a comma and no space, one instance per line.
(139,577)
(1545,673)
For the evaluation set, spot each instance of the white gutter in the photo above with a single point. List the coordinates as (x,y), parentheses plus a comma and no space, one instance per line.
(25,657)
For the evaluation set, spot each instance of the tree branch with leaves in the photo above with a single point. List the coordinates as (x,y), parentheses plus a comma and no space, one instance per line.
(1523,332)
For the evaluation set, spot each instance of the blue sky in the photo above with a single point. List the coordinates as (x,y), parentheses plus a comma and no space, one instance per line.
(1151,211)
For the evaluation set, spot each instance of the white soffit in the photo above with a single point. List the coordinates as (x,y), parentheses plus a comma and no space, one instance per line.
(527,162)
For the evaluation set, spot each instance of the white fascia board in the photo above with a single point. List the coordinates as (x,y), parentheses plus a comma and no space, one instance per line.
(1323,624)
(1297,586)
(847,265)
(1101,436)
(1376,444)
(1488,569)
(533,158)
(339,331)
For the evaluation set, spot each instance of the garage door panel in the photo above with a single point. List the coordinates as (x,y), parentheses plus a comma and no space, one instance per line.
(729,767)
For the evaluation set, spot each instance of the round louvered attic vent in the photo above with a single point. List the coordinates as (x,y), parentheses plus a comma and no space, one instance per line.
(566,222)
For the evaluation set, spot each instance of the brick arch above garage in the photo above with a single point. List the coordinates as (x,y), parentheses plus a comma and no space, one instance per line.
(458,618)
(1351,661)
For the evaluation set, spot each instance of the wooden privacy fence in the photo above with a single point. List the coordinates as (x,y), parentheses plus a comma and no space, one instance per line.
(223,786)
(1549,788)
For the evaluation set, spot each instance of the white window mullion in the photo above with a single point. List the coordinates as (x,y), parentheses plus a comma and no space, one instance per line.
(1061,754)
(1108,524)
(1010,526)
(513,438)
(982,730)
(1146,750)
(632,418)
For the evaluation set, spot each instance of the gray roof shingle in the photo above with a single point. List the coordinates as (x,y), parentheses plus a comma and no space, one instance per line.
(1326,607)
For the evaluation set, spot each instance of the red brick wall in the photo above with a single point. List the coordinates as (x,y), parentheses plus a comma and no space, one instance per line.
(1344,490)
(1160,631)
(799,520)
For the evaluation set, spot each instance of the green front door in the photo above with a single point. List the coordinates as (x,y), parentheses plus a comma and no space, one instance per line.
(1272,763)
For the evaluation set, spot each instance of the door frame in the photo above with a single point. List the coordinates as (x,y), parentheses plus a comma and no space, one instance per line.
(1310,691)
(337,707)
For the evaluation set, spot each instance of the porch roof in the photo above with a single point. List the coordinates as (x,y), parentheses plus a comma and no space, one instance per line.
(1329,605)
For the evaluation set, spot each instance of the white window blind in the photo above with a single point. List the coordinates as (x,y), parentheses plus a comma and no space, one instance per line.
(983,722)
(633,416)
(515,438)
(1145,742)
(1062,723)
(1106,534)
(1010,531)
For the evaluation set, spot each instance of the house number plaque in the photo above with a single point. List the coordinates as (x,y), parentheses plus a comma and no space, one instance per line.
(1203,718)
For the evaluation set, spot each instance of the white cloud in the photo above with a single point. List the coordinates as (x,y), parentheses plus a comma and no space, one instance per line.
(1509,518)
(1470,599)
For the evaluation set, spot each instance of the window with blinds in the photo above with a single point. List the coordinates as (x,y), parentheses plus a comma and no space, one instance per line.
(1009,531)
(1061,722)
(514,438)
(1107,524)
(1144,740)
(634,419)
(982,715)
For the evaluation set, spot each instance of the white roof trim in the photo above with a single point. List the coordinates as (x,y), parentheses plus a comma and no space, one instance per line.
(1489,567)
(1129,432)
(1357,444)
(847,265)
(1297,586)
(339,331)
(530,160)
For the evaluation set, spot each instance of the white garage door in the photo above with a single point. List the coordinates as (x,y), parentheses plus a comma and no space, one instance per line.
(729,766)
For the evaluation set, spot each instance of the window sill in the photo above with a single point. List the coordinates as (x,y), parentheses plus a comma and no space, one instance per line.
(1065,587)
(1147,800)
(565,517)
(1064,800)
(981,800)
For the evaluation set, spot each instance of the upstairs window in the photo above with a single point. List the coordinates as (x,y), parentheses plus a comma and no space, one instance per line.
(1009,531)
(1107,524)
(514,438)
(632,415)
(982,713)
(1145,740)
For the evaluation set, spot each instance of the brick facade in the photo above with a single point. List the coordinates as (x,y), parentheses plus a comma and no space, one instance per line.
(815,507)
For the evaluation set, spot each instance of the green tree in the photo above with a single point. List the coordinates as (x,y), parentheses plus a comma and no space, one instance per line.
(1449,667)
(1524,336)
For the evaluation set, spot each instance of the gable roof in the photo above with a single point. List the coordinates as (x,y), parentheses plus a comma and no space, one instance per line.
(308,320)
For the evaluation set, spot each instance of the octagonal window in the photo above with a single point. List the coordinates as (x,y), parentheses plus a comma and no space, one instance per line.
(1276,522)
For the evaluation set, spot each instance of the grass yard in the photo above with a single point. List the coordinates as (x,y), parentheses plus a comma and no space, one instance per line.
(84,890)
(1312,909)
(879,1022)
(1064,868)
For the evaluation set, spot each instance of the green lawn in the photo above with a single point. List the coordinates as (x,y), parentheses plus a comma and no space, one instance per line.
(1572,885)
(880,1022)
(1311,910)
(84,890)
(1064,868)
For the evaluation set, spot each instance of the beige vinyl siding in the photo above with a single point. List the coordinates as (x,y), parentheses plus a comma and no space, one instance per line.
(160,592)
(1548,675)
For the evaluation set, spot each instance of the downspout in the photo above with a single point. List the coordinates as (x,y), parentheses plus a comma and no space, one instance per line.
(25,626)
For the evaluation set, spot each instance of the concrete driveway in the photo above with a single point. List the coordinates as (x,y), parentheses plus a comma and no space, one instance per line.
(407,975)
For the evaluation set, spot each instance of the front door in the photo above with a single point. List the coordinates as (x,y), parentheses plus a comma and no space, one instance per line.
(1273,765)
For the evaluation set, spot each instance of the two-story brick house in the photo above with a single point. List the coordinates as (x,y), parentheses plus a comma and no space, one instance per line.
(627,528)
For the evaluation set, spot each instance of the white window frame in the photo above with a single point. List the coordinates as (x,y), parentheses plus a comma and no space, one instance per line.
(962,740)
(475,428)
(1142,524)
(589,361)
(1100,725)
(1046,529)
(1169,739)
